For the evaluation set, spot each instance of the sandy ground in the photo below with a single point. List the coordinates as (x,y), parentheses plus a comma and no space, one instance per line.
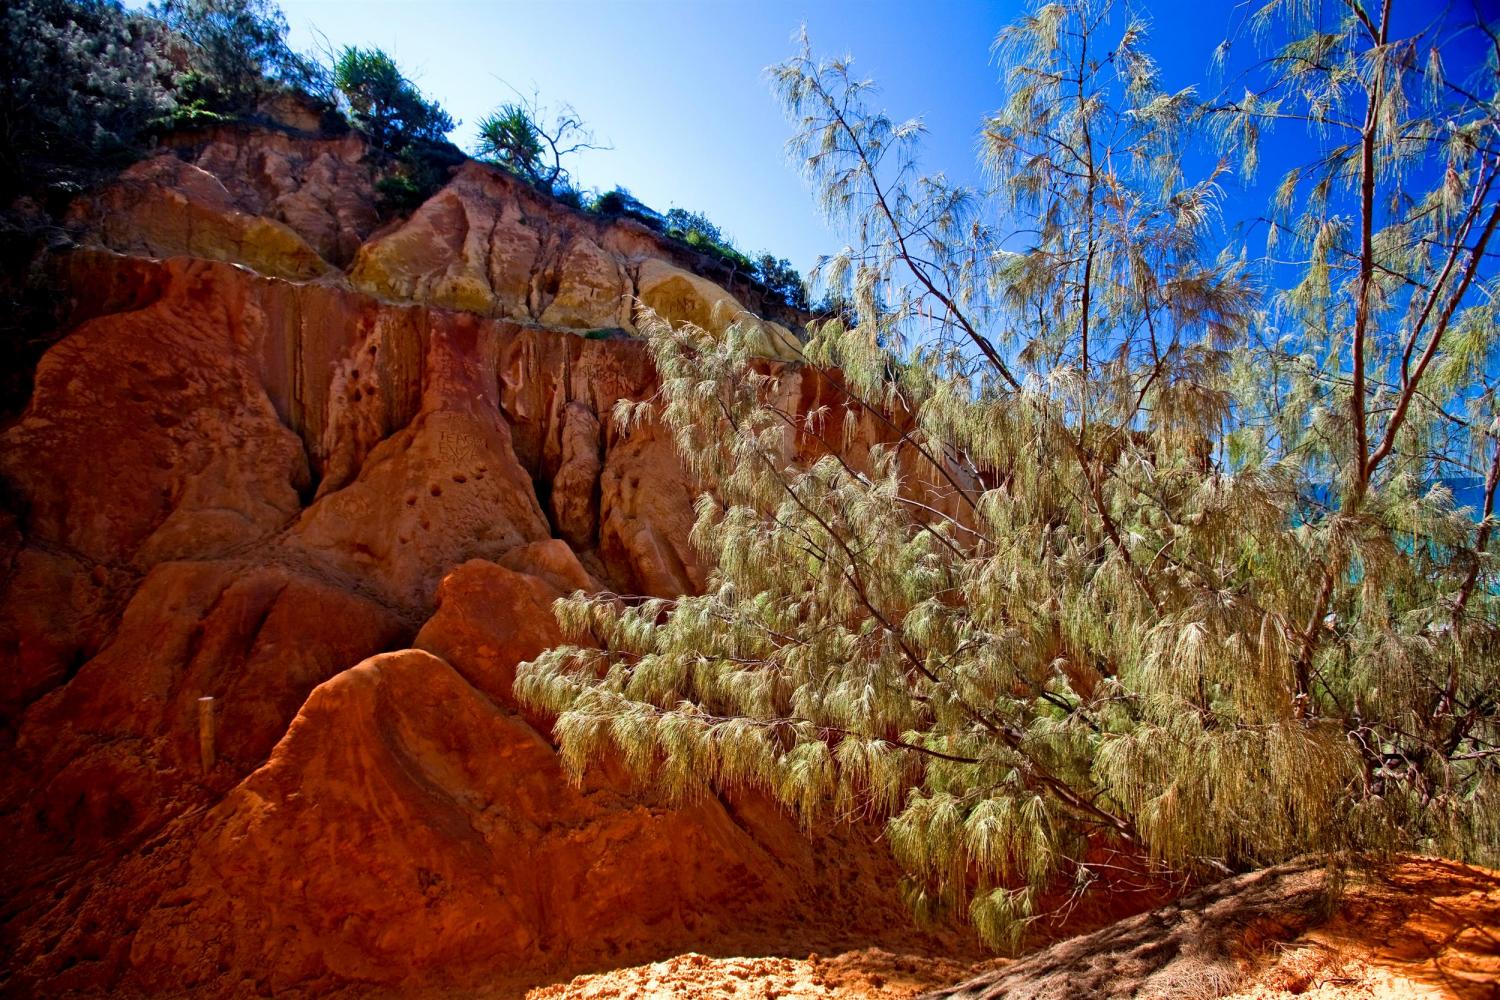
(1422,929)
(1425,928)
(870,973)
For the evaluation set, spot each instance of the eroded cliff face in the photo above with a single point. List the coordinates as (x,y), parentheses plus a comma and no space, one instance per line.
(333,475)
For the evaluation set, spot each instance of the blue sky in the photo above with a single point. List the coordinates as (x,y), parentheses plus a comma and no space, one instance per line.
(677,89)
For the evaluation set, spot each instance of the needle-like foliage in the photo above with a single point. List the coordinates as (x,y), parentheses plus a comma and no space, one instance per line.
(1141,560)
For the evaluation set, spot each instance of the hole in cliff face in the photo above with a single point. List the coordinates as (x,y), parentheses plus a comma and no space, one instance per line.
(459,477)
(435,490)
(307,489)
(75,663)
(543,491)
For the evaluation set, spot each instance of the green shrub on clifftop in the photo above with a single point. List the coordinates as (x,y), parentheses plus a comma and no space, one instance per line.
(238,54)
(384,104)
(81,82)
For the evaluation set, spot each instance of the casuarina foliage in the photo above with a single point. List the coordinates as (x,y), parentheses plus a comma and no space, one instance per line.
(1159,560)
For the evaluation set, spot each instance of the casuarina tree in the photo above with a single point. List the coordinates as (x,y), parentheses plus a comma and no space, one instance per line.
(1160,558)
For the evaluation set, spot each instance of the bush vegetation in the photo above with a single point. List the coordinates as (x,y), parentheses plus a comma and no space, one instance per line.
(383,104)
(620,203)
(1186,583)
(516,137)
(87,83)
(81,81)
(414,174)
(238,54)
(399,121)
(775,275)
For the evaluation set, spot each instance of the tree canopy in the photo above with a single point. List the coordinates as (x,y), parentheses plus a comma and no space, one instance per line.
(80,80)
(1157,554)
(240,51)
(519,137)
(383,103)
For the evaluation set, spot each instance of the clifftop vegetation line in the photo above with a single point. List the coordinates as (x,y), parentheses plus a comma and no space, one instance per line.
(90,87)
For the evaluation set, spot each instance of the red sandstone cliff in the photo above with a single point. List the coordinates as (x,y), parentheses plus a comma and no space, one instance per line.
(332,475)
